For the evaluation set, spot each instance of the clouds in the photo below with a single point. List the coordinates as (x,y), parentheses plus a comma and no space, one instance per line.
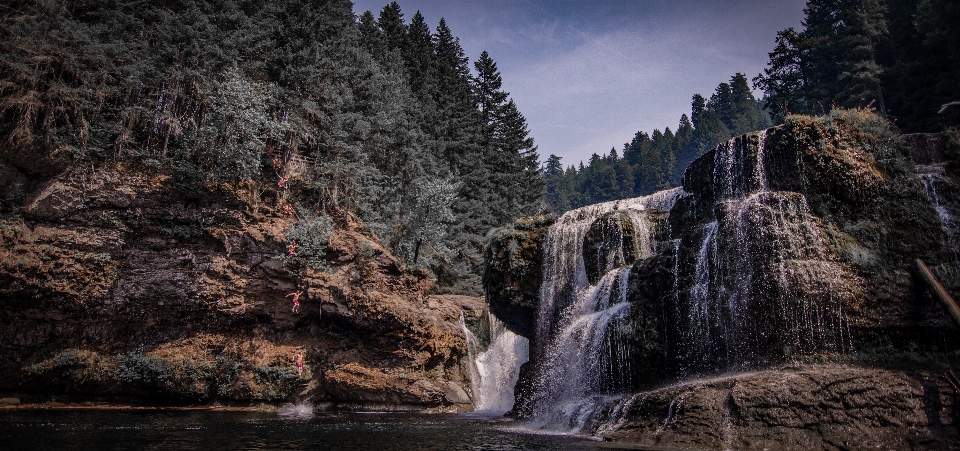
(588,75)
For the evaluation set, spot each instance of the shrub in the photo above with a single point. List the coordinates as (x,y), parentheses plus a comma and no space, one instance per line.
(310,235)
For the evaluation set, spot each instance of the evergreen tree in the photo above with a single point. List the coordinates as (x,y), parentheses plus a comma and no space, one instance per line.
(831,62)
(556,193)
(921,64)
(419,58)
(391,25)
(372,36)
(490,98)
(684,148)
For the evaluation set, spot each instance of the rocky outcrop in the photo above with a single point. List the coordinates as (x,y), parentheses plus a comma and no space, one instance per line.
(614,241)
(799,408)
(793,242)
(513,272)
(114,282)
(789,246)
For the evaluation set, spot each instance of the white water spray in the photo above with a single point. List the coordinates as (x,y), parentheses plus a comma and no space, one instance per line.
(583,356)
(494,371)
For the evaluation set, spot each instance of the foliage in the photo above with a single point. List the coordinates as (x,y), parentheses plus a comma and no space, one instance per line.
(307,242)
(898,56)
(652,162)
(183,376)
(430,216)
(359,115)
(237,128)
(275,382)
(76,366)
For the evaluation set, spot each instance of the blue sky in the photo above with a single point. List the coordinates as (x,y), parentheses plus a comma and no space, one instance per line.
(589,74)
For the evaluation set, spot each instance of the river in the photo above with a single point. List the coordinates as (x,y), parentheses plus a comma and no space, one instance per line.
(195,430)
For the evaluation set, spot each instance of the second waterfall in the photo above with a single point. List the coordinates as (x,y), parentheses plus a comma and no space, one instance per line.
(588,254)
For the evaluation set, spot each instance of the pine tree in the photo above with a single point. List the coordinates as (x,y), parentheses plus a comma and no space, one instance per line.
(786,80)
(831,62)
(419,58)
(684,147)
(391,24)
(372,36)
(525,184)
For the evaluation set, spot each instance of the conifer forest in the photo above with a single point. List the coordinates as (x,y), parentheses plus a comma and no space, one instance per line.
(302,224)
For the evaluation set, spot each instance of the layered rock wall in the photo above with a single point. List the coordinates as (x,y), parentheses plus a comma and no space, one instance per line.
(114,283)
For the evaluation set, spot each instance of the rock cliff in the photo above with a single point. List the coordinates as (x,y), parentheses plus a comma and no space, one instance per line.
(115,283)
(791,246)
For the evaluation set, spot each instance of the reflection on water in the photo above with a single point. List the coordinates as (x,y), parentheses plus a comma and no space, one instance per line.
(189,430)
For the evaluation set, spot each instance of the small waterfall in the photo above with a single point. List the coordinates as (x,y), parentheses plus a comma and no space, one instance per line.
(739,168)
(703,311)
(495,370)
(564,267)
(932,176)
(764,277)
(581,355)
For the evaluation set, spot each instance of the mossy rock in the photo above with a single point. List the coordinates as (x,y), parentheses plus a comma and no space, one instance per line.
(514,271)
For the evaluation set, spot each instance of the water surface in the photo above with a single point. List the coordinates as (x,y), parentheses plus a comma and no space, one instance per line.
(196,430)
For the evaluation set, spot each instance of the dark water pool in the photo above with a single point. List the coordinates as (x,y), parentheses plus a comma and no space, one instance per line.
(196,430)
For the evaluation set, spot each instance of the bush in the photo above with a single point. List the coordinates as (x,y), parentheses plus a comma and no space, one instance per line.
(183,377)
(275,382)
(76,366)
(310,235)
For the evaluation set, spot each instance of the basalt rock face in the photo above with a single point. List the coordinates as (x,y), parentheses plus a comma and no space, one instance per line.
(513,272)
(800,408)
(614,241)
(114,283)
(793,242)
(790,245)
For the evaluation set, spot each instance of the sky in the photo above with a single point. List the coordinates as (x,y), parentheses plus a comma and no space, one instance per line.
(588,75)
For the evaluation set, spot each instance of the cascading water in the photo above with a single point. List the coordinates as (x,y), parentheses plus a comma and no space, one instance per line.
(494,371)
(581,355)
(932,177)
(752,262)
(625,301)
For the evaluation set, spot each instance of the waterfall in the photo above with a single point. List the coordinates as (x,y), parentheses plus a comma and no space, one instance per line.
(739,168)
(763,278)
(703,311)
(753,283)
(581,356)
(932,176)
(565,272)
(495,370)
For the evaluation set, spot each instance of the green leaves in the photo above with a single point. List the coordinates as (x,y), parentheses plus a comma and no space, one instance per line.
(238,127)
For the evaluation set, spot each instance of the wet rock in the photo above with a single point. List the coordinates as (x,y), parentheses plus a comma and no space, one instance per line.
(611,242)
(819,407)
(513,272)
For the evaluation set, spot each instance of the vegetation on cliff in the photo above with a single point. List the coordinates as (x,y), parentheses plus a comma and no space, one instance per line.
(170,171)
(299,105)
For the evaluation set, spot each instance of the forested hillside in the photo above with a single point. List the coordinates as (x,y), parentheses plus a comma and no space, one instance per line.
(652,162)
(900,58)
(308,109)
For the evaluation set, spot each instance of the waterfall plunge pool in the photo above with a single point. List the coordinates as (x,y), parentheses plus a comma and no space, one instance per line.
(195,430)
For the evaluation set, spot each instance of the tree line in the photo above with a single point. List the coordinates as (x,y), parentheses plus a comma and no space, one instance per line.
(656,161)
(900,58)
(311,109)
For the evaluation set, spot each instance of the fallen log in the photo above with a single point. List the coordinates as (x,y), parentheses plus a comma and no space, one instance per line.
(938,291)
(952,383)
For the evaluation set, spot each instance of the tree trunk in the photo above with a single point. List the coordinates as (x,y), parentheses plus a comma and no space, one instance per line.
(938,291)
